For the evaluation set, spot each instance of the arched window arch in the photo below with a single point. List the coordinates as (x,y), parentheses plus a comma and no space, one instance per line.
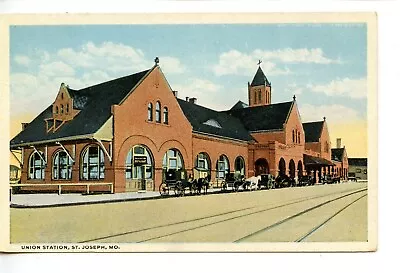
(239,165)
(158,111)
(62,166)
(173,160)
(150,112)
(165,115)
(139,163)
(222,166)
(36,166)
(93,163)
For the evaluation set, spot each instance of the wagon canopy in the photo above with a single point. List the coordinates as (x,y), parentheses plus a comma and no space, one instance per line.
(316,161)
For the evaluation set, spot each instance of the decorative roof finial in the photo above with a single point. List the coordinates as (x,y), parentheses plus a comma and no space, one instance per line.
(156,60)
(324,118)
(294,97)
(259,62)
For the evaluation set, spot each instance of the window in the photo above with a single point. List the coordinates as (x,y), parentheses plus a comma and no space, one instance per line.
(202,162)
(172,160)
(67,108)
(62,96)
(139,163)
(36,166)
(259,95)
(93,163)
(213,123)
(255,96)
(150,112)
(62,108)
(158,111)
(56,109)
(298,136)
(293,136)
(239,165)
(222,166)
(165,116)
(358,170)
(62,166)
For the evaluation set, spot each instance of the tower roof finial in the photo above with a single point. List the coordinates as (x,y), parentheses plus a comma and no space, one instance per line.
(294,97)
(259,62)
(156,60)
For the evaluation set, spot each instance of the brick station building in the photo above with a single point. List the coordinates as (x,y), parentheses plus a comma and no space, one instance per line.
(130,130)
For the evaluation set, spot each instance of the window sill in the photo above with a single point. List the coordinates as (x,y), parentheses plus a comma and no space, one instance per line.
(158,123)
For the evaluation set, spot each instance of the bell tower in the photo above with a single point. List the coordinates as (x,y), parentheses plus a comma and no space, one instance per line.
(259,89)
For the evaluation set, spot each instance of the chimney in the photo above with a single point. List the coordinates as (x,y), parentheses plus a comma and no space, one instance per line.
(175,93)
(338,143)
(24,125)
(187,98)
(193,100)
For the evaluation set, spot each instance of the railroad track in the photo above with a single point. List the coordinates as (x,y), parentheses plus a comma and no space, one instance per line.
(180,228)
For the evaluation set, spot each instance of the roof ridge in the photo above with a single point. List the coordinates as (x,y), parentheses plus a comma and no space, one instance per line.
(262,106)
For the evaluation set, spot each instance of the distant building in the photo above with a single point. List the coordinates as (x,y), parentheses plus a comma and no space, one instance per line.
(339,158)
(358,167)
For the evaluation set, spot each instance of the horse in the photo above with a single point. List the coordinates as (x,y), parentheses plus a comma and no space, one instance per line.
(252,182)
(284,180)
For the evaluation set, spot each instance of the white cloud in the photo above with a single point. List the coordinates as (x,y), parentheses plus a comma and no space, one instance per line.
(294,89)
(88,65)
(234,62)
(22,60)
(353,88)
(334,113)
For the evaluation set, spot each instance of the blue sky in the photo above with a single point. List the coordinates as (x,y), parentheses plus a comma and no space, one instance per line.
(325,65)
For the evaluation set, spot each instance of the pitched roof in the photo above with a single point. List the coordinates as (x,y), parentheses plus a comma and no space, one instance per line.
(265,117)
(312,160)
(239,105)
(95,104)
(198,115)
(337,154)
(260,78)
(313,130)
(358,161)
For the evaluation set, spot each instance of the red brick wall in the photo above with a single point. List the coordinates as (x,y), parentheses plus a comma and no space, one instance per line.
(131,127)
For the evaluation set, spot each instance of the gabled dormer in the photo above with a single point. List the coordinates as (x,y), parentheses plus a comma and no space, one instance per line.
(62,109)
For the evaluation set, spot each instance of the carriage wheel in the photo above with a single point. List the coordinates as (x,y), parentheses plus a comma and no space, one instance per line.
(163,189)
(178,189)
(223,187)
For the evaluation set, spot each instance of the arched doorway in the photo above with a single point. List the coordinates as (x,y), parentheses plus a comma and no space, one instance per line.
(261,167)
(139,168)
(299,169)
(292,168)
(222,166)
(282,166)
(202,166)
(239,165)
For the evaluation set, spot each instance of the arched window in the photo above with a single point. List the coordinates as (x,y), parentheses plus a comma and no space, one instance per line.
(56,109)
(165,115)
(36,166)
(139,163)
(62,96)
(293,135)
(222,166)
(158,111)
(62,108)
(62,166)
(172,160)
(239,165)
(255,96)
(259,95)
(150,112)
(93,163)
(298,136)
(67,108)
(203,162)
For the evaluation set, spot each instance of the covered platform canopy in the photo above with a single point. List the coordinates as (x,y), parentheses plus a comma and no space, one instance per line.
(316,161)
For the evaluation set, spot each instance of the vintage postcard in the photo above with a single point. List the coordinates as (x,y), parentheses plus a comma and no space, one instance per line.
(189,132)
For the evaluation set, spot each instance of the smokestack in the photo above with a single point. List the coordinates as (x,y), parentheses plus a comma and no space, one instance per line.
(338,143)
(175,93)
(24,125)
(193,100)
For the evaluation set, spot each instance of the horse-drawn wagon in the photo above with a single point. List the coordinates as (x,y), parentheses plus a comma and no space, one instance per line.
(267,181)
(177,182)
(233,181)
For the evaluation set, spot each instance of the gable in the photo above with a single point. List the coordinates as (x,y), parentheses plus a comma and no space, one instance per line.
(313,130)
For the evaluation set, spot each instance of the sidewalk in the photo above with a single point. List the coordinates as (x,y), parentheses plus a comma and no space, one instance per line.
(42,200)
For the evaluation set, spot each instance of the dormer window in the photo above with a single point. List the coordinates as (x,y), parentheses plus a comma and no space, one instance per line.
(213,123)
(165,115)
(62,96)
(56,109)
(150,112)
(62,109)
(158,112)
